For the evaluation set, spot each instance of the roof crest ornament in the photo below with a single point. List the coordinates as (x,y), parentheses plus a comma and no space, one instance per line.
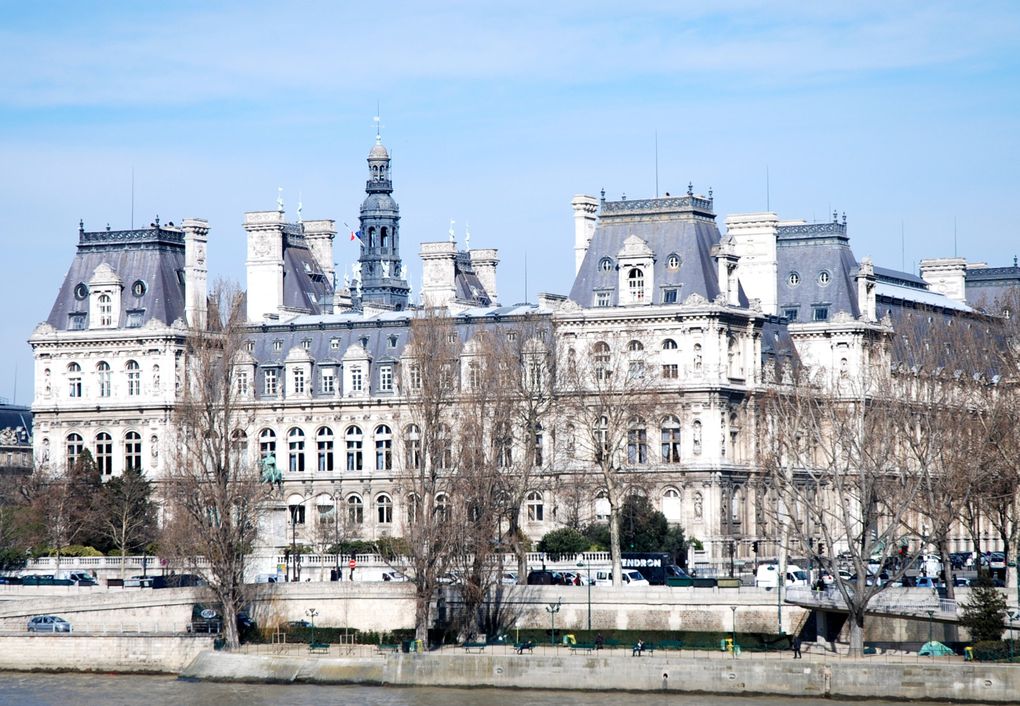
(378,124)
(299,206)
(467,235)
(453,235)
(279,199)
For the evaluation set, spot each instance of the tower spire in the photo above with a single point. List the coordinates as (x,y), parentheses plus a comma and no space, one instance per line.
(382,277)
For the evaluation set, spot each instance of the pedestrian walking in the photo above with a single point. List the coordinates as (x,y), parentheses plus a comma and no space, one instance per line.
(795,643)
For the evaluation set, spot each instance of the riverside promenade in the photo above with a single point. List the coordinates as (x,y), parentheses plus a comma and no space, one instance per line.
(895,677)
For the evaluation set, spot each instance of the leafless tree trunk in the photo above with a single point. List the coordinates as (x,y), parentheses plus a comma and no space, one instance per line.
(215,498)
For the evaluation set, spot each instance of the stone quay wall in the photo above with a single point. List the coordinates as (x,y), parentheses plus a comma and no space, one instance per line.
(79,652)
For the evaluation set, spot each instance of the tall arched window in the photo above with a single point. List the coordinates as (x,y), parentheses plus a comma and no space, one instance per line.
(538,447)
(671,440)
(668,344)
(445,450)
(75,445)
(239,443)
(384,509)
(412,503)
(383,448)
(535,506)
(73,380)
(637,442)
(412,446)
(384,237)
(105,310)
(601,358)
(296,450)
(104,453)
(636,283)
(103,377)
(355,510)
(267,443)
(635,346)
(324,448)
(354,441)
(602,506)
(601,434)
(134,378)
(442,509)
(671,505)
(502,440)
(132,451)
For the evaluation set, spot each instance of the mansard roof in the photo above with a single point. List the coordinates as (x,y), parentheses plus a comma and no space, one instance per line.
(153,256)
(682,226)
(305,286)
(15,425)
(816,268)
(986,285)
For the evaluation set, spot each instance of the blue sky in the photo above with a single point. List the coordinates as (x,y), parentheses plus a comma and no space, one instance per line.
(496,114)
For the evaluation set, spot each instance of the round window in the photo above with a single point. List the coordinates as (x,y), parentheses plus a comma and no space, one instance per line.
(605,264)
(673,262)
(138,288)
(793,279)
(824,277)
(81,291)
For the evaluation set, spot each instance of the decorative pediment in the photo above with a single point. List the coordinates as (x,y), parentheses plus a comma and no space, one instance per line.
(695,300)
(635,248)
(842,317)
(104,276)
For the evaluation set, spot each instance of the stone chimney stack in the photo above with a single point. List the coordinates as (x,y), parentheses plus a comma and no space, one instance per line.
(866,301)
(319,235)
(196,271)
(484,262)
(439,273)
(264,264)
(754,236)
(726,258)
(946,275)
(585,208)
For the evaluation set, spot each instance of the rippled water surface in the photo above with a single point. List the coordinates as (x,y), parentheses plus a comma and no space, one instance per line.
(64,689)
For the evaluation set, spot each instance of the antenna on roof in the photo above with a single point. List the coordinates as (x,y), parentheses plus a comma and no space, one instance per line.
(14,395)
(954,236)
(132,197)
(656,164)
(525,275)
(768,195)
(903,249)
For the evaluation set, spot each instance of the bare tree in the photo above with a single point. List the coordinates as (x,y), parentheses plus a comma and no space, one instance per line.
(215,498)
(65,504)
(431,386)
(607,395)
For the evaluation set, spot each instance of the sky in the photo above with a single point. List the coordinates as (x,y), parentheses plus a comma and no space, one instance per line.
(905,115)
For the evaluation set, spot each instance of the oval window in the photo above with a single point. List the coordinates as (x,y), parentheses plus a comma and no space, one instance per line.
(81,291)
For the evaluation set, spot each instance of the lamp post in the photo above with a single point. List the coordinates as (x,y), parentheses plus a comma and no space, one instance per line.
(1012,616)
(733,632)
(930,614)
(586,566)
(311,613)
(293,542)
(552,609)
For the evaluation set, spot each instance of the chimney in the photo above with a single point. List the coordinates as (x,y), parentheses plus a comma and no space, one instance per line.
(196,271)
(319,235)
(754,237)
(264,264)
(946,275)
(585,208)
(866,290)
(484,262)
(726,258)
(439,272)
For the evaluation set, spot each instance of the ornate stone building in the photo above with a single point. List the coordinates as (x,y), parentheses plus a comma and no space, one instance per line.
(696,313)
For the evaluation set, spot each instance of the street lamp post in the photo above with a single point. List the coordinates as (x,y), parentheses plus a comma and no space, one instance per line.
(311,613)
(733,632)
(552,609)
(1013,614)
(930,614)
(587,567)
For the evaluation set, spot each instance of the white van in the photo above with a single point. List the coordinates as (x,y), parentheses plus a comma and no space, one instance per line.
(631,577)
(768,576)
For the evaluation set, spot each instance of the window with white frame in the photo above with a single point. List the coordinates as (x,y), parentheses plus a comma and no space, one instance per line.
(105,302)
(354,442)
(241,384)
(299,381)
(535,507)
(73,380)
(637,443)
(412,446)
(104,454)
(384,509)
(324,449)
(602,299)
(414,376)
(75,445)
(357,381)
(296,450)
(636,284)
(270,382)
(103,377)
(267,443)
(355,510)
(328,381)
(670,371)
(385,378)
(670,440)
(383,448)
(132,451)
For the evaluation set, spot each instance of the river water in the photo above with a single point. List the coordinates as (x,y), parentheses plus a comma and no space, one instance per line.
(107,690)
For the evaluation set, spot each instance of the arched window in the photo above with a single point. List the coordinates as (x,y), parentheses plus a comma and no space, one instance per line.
(601,506)
(537,446)
(75,446)
(636,283)
(134,378)
(355,510)
(73,380)
(371,237)
(445,450)
(668,344)
(635,346)
(442,509)
(105,310)
(296,448)
(412,446)
(267,443)
(502,441)
(637,442)
(412,502)
(601,434)
(384,509)
(535,506)
(104,453)
(103,377)
(384,237)
(239,443)
(324,448)
(326,510)
(601,357)
(383,448)
(671,504)
(296,510)
(354,442)
(671,440)
(132,451)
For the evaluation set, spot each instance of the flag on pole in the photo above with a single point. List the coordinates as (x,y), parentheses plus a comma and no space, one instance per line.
(354,233)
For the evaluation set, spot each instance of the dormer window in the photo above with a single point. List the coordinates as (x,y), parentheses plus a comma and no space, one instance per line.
(76,322)
(669,296)
(249,346)
(392,342)
(824,278)
(138,288)
(334,344)
(602,299)
(306,344)
(606,264)
(673,262)
(105,302)
(81,291)
(277,345)
(636,283)
(793,279)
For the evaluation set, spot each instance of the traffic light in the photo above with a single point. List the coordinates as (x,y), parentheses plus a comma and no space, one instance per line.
(754,546)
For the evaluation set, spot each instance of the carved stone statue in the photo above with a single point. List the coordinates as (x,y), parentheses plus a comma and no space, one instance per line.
(385,268)
(270,473)
(697,505)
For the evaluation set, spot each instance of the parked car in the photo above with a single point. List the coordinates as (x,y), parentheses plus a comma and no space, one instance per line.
(767,576)
(139,582)
(10,580)
(393,576)
(961,581)
(926,582)
(81,578)
(48,623)
(993,560)
(269,578)
(509,578)
(44,580)
(542,577)
(633,577)
(297,624)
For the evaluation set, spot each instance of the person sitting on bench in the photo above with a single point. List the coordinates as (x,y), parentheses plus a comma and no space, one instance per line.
(638,649)
(529,645)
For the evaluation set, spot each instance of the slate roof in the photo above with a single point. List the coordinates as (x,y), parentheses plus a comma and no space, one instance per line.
(684,226)
(986,285)
(19,420)
(809,250)
(154,255)
(305,285)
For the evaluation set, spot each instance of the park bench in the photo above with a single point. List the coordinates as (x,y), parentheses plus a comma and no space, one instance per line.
(520,647)
(647,647)
(388,648)
(583,647)
(471,646)
(670,645)
(318,648)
